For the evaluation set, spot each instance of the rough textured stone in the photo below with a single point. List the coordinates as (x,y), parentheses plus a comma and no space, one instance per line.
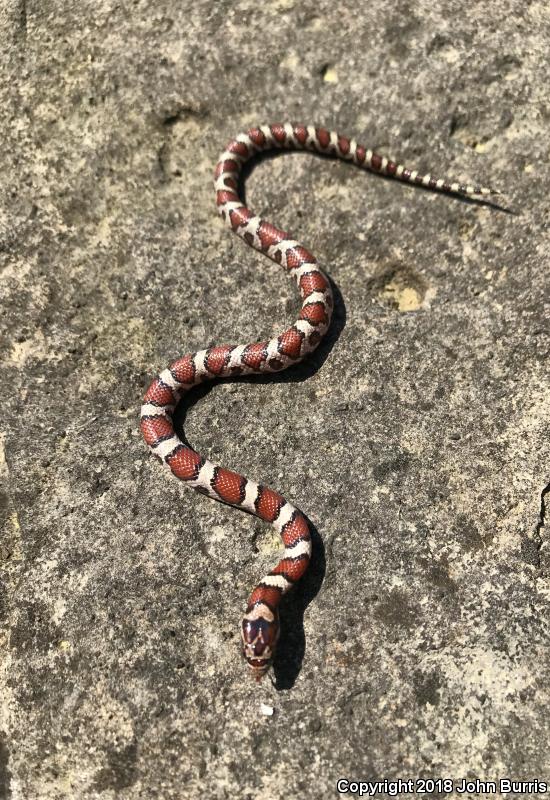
(416,439)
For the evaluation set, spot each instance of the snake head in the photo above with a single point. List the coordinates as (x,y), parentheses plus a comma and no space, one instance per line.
(260,632)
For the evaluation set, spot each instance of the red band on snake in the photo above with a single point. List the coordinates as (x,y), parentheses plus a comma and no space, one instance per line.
(260,625)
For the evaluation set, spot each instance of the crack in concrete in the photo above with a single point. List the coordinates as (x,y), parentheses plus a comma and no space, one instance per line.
(23,18)
(542,519)
(531,545)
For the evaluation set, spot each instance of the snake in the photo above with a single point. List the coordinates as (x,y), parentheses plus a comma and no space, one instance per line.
(260,625)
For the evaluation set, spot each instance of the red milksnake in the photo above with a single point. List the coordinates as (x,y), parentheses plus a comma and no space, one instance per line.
(260,625)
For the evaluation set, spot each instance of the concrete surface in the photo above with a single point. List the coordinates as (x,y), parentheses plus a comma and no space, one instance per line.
(416,439)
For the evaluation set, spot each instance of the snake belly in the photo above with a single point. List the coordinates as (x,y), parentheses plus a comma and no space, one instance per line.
(260,624)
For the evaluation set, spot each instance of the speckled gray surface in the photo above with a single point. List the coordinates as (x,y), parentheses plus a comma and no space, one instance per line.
(416,440)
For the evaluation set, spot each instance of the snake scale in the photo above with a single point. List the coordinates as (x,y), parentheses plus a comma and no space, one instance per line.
(260,624)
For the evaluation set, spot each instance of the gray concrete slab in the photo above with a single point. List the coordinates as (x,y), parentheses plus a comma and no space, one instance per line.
(416,439)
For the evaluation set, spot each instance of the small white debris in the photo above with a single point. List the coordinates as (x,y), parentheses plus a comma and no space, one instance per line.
(267,711)
(329,74)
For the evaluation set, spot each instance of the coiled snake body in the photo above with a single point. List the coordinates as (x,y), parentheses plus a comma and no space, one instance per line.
(260,625)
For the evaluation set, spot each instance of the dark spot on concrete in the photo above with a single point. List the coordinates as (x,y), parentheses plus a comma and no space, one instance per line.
(506,119)
(31,631)
(398,464)
(400,28)
(458,121)
(178,112)
(3,601)
(530,551)
(438,42)
(426,688)
(439,576)
(99,485)
(467,533)
(499,68)
(5,775)
(120,771)
(396,610)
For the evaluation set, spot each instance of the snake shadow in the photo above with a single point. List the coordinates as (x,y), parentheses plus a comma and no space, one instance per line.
(292,642)
(291,648)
